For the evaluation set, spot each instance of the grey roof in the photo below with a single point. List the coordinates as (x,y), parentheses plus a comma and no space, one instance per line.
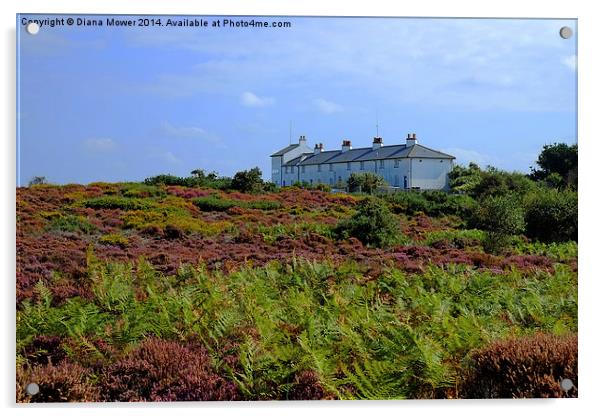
(285,150)
(365,153)
(295,161)
(385,152)
(421,151)
(349,155)
(323,157)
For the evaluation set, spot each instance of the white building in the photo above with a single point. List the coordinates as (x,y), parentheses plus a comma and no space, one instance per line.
(405,166)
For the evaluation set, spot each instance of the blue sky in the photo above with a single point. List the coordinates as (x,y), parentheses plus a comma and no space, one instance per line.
(122,104)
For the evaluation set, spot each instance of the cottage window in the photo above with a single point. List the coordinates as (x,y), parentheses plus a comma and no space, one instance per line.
(382,164)
(319,168)
(348,165)
(330,167)
(362,165)
(396,163)
(302,169)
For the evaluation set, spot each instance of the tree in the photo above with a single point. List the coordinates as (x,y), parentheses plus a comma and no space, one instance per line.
(364,182)
(38,180)
(557,158)
(501,217)
(373,224)
(248,181)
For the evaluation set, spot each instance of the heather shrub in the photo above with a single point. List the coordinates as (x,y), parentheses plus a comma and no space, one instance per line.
(159,370)
(527,367)
(306,386)
(115,240)
(551,215)
(116,202)
(140,190)
(71,223)
(212,203)
(65,382)
(372,224)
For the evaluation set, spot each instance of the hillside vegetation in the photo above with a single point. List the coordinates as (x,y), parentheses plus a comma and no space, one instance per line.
(196,291)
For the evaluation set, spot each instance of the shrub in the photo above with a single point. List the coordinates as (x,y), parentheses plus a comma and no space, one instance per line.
(501,217)
(551,215)
(115,240)
(432,203)
(372,224)
(71,223)
(366,182)
(198,179)
(248,181)
(159,370)
(526,367)
(212,203)
(61,383)
(140,190)
(116,202)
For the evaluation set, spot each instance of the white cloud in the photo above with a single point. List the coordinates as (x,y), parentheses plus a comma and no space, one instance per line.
(169,157)
(102,144)
(249,99)
(465,156)
(199,133)
(570,62)
(327,107)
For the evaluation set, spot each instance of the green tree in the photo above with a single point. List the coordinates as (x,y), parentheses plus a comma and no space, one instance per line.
(373,224)
(364,182)
(557,158)
(248,181)
(501,217)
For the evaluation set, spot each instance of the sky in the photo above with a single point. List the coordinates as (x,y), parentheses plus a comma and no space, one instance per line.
(125,103)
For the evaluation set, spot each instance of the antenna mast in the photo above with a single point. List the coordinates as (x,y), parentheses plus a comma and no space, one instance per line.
(290,132)
(377,123)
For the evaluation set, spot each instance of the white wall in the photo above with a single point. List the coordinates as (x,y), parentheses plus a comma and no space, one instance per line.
(430,173)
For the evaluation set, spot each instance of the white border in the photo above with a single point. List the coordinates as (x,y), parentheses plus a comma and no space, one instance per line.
(589,142)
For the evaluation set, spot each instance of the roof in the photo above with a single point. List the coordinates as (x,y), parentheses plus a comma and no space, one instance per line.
(285,150)
(295,161)
(421,151)
(364,154)
(385,152)
(318,158)
(349,155)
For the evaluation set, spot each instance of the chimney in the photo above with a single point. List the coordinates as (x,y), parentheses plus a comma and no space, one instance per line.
(318,149)
(346,145)
(411,140)
(302,140)
(377,143)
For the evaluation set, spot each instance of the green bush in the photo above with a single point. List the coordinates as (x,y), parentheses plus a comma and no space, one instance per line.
(248,181)
(501,217)
(212,203)
(432,203)
(140,190)
(116,202)
(198,179)
(551,215)
(114,240)
(71,223)
(366,182)
(373,224)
